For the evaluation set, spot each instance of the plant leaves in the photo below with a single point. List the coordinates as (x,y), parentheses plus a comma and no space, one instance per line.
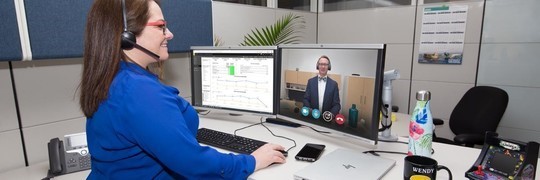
(283,31)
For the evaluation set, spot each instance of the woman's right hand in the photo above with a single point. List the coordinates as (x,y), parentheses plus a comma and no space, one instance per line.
(268,154)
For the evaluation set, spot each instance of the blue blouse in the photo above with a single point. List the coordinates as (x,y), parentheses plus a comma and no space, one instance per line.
(144,130)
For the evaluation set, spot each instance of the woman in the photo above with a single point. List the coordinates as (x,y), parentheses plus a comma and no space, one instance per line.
(137,127)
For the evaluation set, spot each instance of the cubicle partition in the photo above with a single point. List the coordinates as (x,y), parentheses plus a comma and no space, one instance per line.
(10,44)
(55,28)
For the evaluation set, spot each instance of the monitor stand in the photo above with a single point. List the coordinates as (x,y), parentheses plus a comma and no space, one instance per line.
(390,137)
(387,135)
(282,122)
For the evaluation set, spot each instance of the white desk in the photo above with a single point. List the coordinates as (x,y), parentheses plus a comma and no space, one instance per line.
(457,158)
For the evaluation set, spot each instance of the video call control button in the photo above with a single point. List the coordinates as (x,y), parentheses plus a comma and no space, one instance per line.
(328,116)
(340,119)
(305,111)
(316,113)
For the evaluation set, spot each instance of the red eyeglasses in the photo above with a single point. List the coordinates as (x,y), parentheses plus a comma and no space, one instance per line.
(160,23)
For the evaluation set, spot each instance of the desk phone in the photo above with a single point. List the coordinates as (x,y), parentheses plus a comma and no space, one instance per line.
(70,155)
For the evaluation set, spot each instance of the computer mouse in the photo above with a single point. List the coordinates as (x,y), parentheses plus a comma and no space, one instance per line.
(285,153)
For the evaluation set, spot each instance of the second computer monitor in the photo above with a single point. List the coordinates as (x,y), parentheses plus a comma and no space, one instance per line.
(350,77)
(236,79)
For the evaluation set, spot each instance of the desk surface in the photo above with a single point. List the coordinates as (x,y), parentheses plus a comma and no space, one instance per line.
(458,159)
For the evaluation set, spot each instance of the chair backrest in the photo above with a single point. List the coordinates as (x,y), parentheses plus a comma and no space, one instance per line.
(479,110)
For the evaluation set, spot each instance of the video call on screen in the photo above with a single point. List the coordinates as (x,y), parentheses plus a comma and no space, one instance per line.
(354,70)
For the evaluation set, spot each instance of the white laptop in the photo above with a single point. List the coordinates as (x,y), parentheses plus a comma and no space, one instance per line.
(346,164)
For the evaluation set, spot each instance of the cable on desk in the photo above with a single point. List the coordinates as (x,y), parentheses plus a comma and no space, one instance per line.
(49,175)
(245,127)
(316,130)
(393,141)
(262,123)
(432,150)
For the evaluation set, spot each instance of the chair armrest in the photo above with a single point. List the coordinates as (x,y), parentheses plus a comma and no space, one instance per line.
(469,139)
(437,121)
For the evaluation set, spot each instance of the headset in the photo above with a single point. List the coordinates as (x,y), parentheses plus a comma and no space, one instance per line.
(128,40)
(329,63)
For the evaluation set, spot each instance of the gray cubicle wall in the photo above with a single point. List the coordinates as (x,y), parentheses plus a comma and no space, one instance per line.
(232,21)
(509,59)
(10,138)
(48,103)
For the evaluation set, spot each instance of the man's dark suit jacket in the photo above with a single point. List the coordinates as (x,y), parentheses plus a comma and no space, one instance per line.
(331,95)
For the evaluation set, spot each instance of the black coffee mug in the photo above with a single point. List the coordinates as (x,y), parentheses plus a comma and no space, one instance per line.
(422,168)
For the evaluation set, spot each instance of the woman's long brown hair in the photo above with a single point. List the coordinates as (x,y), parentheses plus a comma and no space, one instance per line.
(102,52)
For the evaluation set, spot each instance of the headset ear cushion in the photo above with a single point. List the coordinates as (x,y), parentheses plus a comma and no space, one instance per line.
(128,40)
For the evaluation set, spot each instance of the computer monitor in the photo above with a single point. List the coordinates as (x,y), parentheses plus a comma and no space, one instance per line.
(357,71)
(236,79)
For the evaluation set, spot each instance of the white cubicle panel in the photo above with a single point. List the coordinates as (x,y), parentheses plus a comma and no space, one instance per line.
(177,73)
(520,120)
(46,90)
(8,120)
(400,94)
(390,25)
(232,21)
(510,64)
(11,156)
(37,137)
(398,56)
(511,21)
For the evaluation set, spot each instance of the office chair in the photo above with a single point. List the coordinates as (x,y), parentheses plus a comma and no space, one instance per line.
(479,110)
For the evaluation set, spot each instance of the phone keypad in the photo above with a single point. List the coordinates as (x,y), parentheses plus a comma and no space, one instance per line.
(84,162)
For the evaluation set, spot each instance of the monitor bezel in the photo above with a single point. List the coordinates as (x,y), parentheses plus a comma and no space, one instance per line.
(217,49)
(379,75)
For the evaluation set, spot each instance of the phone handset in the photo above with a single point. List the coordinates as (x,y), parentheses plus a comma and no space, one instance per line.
(54,156)
(55,148)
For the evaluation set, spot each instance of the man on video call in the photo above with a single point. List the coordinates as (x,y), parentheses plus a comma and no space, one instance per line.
(321,91)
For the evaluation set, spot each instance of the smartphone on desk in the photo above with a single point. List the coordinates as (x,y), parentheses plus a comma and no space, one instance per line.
(310,152)
(68,156)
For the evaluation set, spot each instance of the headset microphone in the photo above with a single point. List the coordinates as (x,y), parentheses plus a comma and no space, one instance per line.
(128,40)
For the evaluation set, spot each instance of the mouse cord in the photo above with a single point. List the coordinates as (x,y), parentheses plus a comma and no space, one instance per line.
(262,123)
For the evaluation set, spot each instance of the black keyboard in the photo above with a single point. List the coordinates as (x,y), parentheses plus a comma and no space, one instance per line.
(228,141)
